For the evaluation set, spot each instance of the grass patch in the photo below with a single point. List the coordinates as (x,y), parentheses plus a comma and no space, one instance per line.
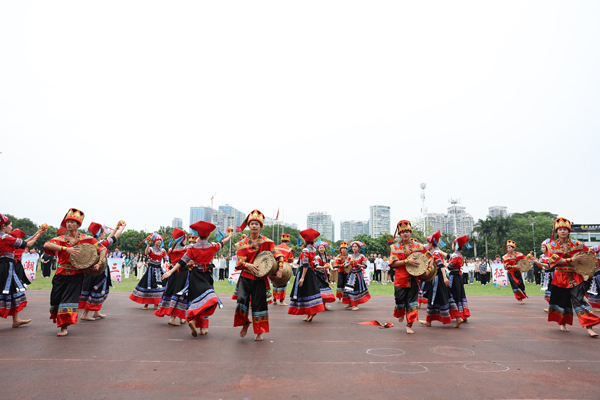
(376,289)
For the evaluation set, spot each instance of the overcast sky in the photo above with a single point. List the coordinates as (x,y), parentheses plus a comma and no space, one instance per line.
(137,110)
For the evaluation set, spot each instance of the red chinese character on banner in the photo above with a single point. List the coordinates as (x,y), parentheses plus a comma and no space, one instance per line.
(499,273)
(29,265)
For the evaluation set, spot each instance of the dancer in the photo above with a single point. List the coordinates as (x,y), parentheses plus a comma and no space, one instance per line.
(251,289)
(203,300)
(438,306)
(406,287)
(356,291)
(67,281)
(12,298)
(150,288)
(19,270)
(515,278)
(288,257)
(174,301)
(544,264)
(341,261)
(567,289)
(95,288)
(459,307)
(321,267)
(306,294)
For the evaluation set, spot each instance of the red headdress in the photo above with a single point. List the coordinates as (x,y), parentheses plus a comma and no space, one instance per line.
(95,229)
(309,235)
(560,223)
(73,215)
(178,235)
(511,243)
(285,237)
(344,245)
(3,219)
(460,242)
(402,226)
(203,228)
(255,215)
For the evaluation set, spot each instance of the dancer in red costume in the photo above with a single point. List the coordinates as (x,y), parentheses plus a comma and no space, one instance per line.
(356,291)
(322,265)
(288,257)
(12,298)
(567,289)
(438,306)
(510,260)
(95,288)
(340,262)
(459,307)
(406,286)
(203,300)
(251,289)
(151,287)
(305,298)
(67,282)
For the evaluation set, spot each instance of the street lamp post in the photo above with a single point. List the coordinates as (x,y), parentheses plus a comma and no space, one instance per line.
(533,236)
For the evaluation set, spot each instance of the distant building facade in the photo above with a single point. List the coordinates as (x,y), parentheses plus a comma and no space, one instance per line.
(177,223)
(445,222)
(351,229)
(498,211)
(321,222)
(379,220)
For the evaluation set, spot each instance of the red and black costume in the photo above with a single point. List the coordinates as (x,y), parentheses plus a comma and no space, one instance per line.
(594,298)
(203,301)
(342,276)
(12,298)
(95,288)
(306,299)
(321,260)
(567,289)
(406,286)
(356,291)
(19,234)
(174,301)
(288,257)
(150,288)
(438,305)
(514,274)
(459,307)
(252,291)
(67,281)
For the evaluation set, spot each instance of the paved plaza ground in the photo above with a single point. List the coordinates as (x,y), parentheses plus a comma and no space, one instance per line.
(505,351)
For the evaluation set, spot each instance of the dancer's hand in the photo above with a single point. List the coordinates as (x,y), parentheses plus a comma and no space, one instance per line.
(300,282)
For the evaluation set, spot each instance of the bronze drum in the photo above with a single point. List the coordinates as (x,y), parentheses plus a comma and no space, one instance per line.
(587,267)
(87,257)
(285,277)
(266,263)
(423,263)
(524,265)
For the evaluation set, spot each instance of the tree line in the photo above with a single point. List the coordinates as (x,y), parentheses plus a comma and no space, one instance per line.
(488,238)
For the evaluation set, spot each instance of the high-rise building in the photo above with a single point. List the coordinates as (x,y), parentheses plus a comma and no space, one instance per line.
(350,229)
(177,223)
(498,211)
(445,222)
(201,214)
(321,221)
(292,225)
(236,214)
(379,220)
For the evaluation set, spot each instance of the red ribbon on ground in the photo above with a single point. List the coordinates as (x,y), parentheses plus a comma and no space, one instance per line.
(386,325)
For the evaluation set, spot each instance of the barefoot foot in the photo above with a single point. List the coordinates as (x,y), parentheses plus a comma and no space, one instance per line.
(409,330)
(203,331)
(192,325)
(564,328)
(97,314)
(87,318)
(401,319)
(258,338)
(458,322)
(283,304)
(310,318)
(347,306)
(355,308)
(20,322)
(545,309)
(145,307)
(424,323)
(244,330)
(63,331)
(591,332)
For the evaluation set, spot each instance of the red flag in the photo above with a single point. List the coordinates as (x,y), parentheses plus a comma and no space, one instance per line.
(277,217)
(238,229)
